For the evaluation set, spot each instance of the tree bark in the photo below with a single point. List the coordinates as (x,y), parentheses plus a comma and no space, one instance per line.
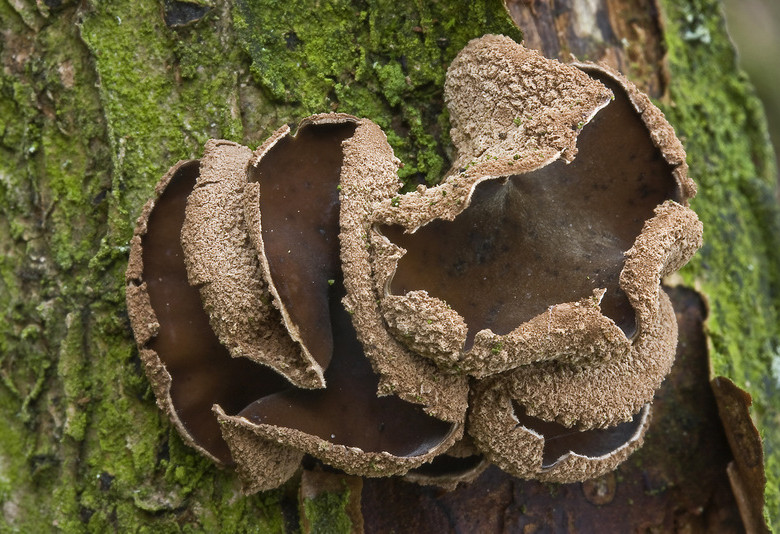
(100,98)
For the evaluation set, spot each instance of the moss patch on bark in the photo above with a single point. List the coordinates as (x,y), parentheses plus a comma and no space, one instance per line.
(716,113)
(327,514)
(384,60)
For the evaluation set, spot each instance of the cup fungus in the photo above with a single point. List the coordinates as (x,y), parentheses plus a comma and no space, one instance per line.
(322,312)
(535,266)
(225,238)
(461,464)
(188,368)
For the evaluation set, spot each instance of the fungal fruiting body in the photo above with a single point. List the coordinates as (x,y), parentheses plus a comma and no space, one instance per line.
(292,301)
(275,203)
(535,265)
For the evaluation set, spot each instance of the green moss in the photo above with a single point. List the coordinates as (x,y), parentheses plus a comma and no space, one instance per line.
(87,125)
(715,111)
(327,513)
(384,60)
(31,322)
(72,369)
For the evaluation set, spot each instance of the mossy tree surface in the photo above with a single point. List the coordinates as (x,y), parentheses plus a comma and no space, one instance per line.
(98,99)
(722,125)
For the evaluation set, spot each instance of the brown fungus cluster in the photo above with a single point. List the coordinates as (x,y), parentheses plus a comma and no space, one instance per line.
(291,301)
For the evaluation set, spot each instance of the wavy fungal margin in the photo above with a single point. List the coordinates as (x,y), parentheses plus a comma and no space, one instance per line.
(293,301)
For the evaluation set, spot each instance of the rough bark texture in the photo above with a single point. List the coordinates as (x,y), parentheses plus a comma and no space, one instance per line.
(97,99)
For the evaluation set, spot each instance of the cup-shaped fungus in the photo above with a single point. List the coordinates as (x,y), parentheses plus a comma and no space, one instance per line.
(239,255)
(461,464)
(290,301)
(304,225)
(535,265)
(223,265)
(188,368)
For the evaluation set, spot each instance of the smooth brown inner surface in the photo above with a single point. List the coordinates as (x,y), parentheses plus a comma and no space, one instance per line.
(201,369)
(299,208)
(551,236)
(560,440)
(348,412)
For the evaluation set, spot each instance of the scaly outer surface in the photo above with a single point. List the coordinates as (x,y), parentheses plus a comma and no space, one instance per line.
(368,174)
(369,177)
(223,265)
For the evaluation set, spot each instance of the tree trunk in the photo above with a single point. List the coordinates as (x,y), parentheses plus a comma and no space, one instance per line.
(100,98)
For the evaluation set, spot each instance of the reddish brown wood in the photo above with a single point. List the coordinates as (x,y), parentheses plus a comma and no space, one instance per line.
(625,34)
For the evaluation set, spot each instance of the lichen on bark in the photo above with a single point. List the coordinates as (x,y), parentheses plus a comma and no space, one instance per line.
(383,60)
